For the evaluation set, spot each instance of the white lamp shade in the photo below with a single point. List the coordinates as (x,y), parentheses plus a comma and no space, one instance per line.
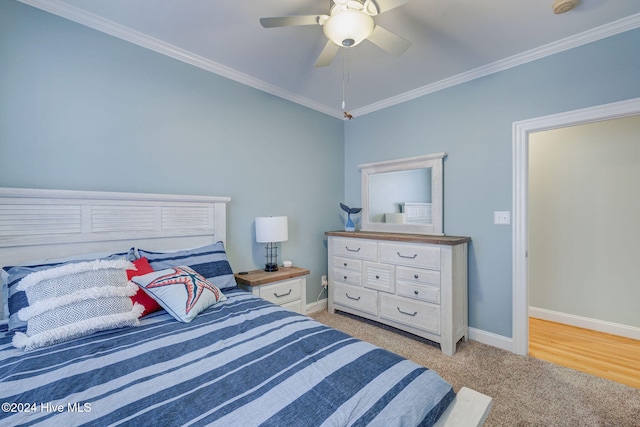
(271,229)
(350,25)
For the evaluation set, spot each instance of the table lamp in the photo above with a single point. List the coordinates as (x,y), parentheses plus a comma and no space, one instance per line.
(271,230)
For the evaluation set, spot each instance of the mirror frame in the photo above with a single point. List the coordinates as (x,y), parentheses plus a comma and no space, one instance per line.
(433,161)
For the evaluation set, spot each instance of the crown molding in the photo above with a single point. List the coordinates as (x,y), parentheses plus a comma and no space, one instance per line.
(127,34)
(98,23)
(611,29)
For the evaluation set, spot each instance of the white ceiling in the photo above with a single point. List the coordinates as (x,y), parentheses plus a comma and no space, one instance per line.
(452,41)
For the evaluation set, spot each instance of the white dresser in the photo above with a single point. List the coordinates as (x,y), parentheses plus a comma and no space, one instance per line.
(417,283)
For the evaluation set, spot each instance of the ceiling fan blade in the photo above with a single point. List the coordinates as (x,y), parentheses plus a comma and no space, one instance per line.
(289,21)
(384,5)
(328,53)
(386,40)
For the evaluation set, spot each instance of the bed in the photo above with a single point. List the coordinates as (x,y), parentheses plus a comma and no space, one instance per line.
(239,360)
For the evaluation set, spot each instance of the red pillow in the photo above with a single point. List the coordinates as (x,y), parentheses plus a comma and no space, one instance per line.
(150,305)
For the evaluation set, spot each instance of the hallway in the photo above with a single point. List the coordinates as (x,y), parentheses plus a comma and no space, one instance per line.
(603,355)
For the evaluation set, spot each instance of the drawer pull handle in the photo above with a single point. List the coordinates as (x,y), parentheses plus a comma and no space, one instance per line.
(353,298)
(283,295)
(345,264)
(407,256)
(416,292)
(415,276)
(352,250)
(377,277)
(345,277)
(408,314)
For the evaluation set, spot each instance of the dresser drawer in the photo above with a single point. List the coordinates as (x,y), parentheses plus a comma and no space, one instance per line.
(421,292)
(379,277)
(347,276)
(418,276)
(349,264)
(282,292)
(424,256)
(356,248)
(417,314)
(361,299)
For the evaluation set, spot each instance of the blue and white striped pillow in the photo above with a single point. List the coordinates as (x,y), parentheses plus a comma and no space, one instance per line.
(209,261)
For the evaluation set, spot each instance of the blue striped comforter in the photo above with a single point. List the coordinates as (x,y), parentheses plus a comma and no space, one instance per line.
(243,362)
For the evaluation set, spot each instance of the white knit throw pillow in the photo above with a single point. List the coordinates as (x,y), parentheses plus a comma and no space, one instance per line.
(74,300)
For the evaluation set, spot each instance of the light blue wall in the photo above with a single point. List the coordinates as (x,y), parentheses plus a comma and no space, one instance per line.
(472,122)
(82,110)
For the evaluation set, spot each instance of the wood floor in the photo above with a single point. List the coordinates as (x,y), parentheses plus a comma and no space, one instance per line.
(603,355)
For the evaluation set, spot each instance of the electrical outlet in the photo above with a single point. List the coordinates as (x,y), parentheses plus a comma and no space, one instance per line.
(324,282)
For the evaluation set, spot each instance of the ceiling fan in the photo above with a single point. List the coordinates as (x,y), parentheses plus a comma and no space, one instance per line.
(349,22)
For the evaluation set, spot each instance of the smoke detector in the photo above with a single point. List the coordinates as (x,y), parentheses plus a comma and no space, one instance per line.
(562,6)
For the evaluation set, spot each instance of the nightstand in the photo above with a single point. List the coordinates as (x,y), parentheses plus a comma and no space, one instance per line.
(286,287)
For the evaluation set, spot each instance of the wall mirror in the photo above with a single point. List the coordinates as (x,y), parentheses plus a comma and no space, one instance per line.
(403,195)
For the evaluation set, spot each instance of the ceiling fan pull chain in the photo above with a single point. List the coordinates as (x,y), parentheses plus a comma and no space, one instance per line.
(348,73)
(343,103)
(345,83)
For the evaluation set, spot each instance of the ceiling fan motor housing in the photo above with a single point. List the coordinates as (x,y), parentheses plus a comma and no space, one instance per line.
(348,27)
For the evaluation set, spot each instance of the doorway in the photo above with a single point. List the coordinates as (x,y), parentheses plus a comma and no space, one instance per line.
(521,132)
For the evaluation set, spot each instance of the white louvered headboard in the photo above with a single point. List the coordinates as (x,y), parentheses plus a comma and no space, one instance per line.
(43,224)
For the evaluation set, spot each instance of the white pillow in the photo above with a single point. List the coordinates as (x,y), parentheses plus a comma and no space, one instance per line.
(181,291)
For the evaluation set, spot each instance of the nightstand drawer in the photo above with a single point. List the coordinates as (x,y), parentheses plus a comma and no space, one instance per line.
(347,263)
(423,256)
(293,306)
(361,299)
(417,314)
(356,248)
(282,292)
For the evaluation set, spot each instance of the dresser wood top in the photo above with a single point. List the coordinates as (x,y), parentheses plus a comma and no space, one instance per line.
(401,237)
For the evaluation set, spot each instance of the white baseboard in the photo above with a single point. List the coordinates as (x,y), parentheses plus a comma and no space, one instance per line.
(484,337)
(317,306)
(586,322)
(489,338)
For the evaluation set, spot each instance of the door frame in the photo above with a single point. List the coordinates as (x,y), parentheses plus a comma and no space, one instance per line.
(520,230)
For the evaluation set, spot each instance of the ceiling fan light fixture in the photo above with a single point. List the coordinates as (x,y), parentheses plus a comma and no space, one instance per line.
(348,27)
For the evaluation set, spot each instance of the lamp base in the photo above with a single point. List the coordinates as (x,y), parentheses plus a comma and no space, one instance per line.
(271,267)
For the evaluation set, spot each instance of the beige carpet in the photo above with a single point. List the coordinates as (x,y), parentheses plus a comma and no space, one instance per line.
(525,391)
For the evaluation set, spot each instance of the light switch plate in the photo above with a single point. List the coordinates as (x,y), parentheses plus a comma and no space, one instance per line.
(502,217)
